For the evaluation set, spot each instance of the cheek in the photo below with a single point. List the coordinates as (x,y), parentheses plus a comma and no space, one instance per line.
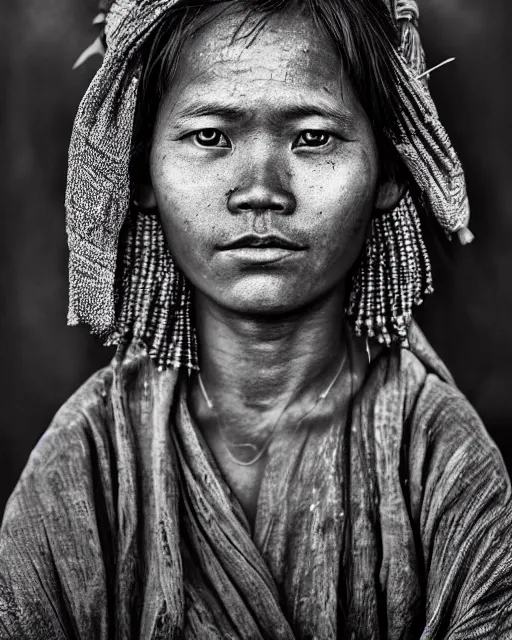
(187,202)
(339,196)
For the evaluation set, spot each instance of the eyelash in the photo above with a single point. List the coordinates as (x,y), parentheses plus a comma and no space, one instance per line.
(216,136)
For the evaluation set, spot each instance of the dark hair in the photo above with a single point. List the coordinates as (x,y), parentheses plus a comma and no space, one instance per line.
(361,30)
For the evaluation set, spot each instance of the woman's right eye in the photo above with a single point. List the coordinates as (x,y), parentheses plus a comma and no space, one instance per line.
(211,138)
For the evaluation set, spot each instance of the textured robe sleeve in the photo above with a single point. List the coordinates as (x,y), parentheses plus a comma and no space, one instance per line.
(465,512)
(52,570)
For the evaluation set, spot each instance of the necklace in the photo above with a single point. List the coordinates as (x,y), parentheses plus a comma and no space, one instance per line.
(260,453)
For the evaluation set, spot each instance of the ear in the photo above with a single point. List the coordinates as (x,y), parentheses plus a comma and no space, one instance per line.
(389,194)
(145,195)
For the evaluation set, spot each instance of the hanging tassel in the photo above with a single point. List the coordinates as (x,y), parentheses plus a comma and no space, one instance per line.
(424,145)
(154,303)
(393,277)
(465,236)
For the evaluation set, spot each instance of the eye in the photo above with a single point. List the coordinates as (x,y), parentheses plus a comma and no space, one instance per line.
(312,138)
(211,138)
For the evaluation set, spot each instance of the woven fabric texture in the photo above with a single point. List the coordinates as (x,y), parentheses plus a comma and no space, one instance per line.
(98,187)
(394,524)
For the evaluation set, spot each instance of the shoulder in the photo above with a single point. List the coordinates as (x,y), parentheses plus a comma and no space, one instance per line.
(450,427)
(62,463)
(418,410)
(83,416)
(50,547)
(452,466)
(459,501)
(81,433)
(90,438)
(434,405)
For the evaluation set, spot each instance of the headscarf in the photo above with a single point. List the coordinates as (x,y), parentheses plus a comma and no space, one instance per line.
(98,186)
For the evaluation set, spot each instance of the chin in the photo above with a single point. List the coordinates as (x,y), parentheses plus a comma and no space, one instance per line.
(268,301)
(262,308)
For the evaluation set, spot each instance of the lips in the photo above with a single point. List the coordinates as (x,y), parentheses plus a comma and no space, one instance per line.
(254,241)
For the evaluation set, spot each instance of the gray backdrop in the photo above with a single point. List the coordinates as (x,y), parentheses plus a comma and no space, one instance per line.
(43,361)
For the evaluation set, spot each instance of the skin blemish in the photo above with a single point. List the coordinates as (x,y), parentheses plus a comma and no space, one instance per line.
(263,99)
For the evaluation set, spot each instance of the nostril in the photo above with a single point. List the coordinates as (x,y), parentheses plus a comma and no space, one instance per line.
(257,208)
(259,199)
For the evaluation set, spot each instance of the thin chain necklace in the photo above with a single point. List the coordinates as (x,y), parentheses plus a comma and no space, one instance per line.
(260,453)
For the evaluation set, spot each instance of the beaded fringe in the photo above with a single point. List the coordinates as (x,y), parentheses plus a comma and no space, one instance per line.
(151,301)
(154,304)
(394,274)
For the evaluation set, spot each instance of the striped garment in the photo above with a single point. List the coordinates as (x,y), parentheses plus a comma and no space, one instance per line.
(391,522)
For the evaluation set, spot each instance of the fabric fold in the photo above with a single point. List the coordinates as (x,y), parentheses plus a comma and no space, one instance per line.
(391,523)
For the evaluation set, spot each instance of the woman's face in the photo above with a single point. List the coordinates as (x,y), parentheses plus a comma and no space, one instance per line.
(264,166)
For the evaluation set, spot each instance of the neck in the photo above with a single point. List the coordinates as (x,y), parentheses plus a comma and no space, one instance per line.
(259,361)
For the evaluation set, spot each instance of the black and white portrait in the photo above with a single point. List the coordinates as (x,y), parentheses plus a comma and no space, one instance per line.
(255,323)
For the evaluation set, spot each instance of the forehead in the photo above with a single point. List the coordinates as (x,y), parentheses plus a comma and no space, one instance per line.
(239,52)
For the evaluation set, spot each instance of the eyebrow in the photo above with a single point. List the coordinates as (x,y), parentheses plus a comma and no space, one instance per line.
(292,112)
(230,112)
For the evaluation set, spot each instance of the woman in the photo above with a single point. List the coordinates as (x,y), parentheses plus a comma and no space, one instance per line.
(275,451)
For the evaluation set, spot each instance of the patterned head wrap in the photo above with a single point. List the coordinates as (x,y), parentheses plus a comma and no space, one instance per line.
(98,187)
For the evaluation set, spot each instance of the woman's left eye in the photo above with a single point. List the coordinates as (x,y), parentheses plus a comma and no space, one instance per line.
(211,138)
(312,138)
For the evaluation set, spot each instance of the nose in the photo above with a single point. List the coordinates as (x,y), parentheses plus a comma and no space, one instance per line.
(262,191)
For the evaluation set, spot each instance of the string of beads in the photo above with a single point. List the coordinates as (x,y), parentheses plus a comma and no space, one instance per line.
(154,299)
(394,274)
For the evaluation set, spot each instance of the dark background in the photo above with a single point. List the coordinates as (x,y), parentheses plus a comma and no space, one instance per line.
(43,361)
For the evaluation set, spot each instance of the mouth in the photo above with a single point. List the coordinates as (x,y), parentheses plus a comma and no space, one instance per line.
(253,249)
(264,243)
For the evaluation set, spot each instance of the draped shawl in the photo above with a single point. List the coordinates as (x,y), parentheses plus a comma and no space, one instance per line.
(394,525)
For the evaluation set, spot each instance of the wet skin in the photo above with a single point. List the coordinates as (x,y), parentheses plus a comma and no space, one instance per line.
(269,140)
